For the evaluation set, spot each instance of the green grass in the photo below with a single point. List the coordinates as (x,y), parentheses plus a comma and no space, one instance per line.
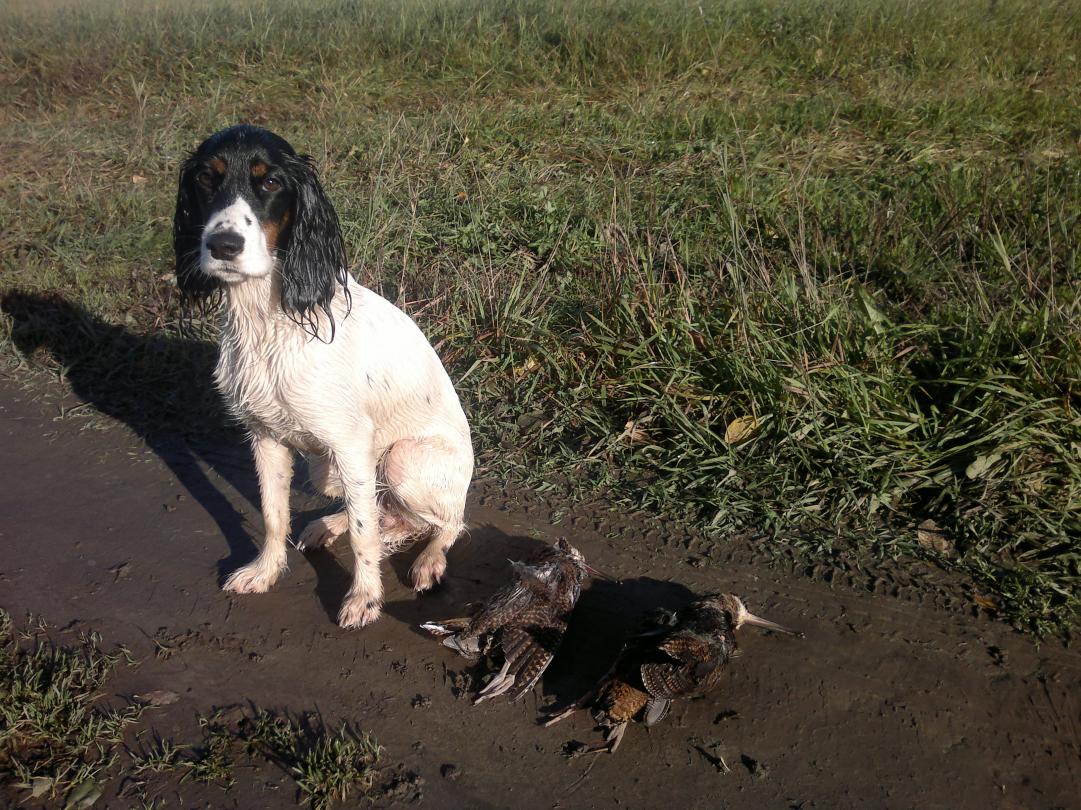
(59,742)
(55,737)
(327,765)
(630,227)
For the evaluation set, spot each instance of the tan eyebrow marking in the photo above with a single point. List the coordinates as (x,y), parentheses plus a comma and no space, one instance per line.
(218,165)
(258,169)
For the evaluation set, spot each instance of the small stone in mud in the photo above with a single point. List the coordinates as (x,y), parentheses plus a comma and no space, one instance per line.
(461,683)
(421,702)
(405,787)
(158,697)
(121,571)
(757,769)
(449,771)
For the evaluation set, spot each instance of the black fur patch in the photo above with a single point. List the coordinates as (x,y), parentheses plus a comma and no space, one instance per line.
(310,250)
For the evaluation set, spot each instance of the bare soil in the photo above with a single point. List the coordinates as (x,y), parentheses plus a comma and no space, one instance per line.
(893,699)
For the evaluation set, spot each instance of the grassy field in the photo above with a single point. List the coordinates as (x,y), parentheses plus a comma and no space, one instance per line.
(807,271)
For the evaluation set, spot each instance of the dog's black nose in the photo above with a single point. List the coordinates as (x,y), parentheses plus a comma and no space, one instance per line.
(225,245)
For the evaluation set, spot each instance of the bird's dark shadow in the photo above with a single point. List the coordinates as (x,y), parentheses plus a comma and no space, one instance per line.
(160,385)
(605,614)
(477,565)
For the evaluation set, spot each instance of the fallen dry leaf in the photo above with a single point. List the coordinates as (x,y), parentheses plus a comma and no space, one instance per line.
(634,434)
(83,795)
(740,428)
(137,179)
(985,602)
(930,536)
(981,465)
(530,365)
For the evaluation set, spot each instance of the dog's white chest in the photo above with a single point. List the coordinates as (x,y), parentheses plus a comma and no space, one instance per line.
(256,374)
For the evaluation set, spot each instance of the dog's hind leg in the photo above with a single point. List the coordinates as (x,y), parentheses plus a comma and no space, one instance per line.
(324,476)
(429,478)
(274,465)
(325,530)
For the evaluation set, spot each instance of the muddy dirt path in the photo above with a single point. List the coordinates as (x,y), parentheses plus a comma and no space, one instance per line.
(888,702)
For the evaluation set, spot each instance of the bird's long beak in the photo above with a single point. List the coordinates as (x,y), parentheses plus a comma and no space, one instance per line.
(593,572)
(766,624)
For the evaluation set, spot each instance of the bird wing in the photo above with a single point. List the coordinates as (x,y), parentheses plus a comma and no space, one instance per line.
(687,648)
(528,652)
(694,665)
(503,605)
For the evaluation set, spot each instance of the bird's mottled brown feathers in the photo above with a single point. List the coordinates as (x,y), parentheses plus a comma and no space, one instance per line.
(619,702)
(672,655)
(528,616)
(696,652)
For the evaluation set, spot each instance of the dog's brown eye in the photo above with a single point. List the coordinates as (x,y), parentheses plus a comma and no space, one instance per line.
(271,184)
(205,179)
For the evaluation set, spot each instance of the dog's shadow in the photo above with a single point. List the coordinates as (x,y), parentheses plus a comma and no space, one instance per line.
(157,384)
(160,385)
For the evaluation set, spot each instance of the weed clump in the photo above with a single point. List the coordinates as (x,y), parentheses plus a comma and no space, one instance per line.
(55,737)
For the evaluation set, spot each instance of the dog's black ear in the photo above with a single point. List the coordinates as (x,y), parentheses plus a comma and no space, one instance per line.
(195,285)
(313,266)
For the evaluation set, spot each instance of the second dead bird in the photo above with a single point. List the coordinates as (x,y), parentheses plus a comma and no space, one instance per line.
(673,655)
(527,619)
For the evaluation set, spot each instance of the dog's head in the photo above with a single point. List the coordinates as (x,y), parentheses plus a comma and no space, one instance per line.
(248,206)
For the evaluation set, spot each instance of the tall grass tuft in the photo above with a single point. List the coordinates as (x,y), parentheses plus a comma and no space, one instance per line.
(803,271)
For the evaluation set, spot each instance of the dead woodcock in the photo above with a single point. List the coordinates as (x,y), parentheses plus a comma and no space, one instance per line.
(526,619)
(672,655)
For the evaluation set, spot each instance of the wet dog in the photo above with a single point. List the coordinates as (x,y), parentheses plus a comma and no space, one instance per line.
(313,362)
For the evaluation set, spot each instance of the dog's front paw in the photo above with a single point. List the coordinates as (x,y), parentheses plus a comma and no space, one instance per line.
(252,578)
(358,610)
(323,531)
(428,570)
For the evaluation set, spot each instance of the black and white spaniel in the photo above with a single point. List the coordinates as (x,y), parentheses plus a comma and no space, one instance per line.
(312,361)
